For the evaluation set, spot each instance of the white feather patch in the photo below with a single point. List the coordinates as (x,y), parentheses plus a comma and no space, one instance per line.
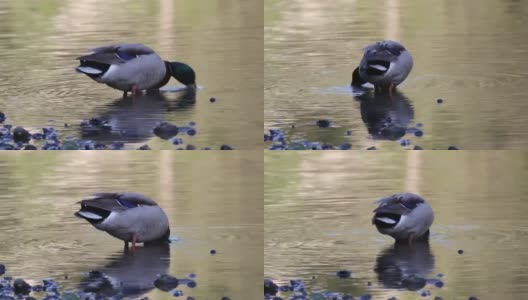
(386,220)
(378,67)
(90,215)
(109,71)
(89,70)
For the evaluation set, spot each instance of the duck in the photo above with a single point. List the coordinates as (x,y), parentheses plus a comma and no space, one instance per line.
(385,65)
(130,217)
(132,67)
(406,217)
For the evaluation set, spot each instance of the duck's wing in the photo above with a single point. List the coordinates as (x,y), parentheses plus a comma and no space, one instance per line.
(116,54)
(117,201)
(398,203)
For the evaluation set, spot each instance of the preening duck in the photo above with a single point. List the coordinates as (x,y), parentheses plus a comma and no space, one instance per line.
(405,217)
(385,64)
(129,217)
(133,67)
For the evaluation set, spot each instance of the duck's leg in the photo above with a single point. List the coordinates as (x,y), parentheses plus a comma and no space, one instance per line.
(126,247)
(134,90)
(134,240)
(411,239)
(391,87)
(125,93)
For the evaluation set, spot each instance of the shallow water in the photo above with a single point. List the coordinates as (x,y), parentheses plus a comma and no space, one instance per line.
(221,40)
(209,198)
(473,56)
(318,210)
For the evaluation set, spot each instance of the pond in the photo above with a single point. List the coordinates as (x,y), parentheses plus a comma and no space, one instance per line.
(221,40)
(210,201)
(471,56)
(318,209)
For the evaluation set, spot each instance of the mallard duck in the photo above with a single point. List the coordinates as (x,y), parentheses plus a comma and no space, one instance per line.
(385,64)
(133,67)
(129,217)
(405,217)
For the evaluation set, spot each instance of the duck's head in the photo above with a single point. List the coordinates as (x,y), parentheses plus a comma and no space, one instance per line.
(183,73)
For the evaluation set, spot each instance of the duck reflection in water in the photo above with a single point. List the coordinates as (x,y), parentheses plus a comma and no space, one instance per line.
(133,119)
(129,275)
(403,267)
(386,117)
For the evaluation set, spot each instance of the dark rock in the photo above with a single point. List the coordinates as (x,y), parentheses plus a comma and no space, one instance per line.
(191,284)
(213,251)
(439,101)
(226,298)
(439,284)
(460,251)
(177,293)
(270,288)
(226,147)
(190,147)
(349,132)
(20,135)
(212,99)
(405,142)
(472,298)
(191,123)
(418,133)
(452,148)
(166,282)
(372,148)
(2,117)
(2,269)
(21,287)
(323,123)
(345,146)
(191,132)
(365,297)
(413,282)
(417,148)
(343,274)
(29,147)
(144,147)
(438,298)
(166,130)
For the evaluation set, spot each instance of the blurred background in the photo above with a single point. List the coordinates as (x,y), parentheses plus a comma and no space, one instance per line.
(470,54)
(318,209)
(220,39)
(213,201)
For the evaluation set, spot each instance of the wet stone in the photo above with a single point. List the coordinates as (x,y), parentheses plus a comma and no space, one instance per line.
(417,148)
(21,135)
(226,147)
(452,148)
(2,269)
(144,147)
(372,148)
(439,101)
(213,252)
(166,282)
(21,287)
(2,117)
(177,293)
(212,99)
(460,251)
(270,287)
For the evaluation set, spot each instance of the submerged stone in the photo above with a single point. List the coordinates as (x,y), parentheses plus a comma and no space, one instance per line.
(323,123)
(21,135)
(413,282)
(166,282)
(343,274)
(166,130)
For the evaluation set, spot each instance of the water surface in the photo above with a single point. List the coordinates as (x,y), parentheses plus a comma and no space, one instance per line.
(221,40)
(213,201)
(471,55)
(318,209)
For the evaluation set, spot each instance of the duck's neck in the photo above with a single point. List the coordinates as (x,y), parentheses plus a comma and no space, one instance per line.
(168,74)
